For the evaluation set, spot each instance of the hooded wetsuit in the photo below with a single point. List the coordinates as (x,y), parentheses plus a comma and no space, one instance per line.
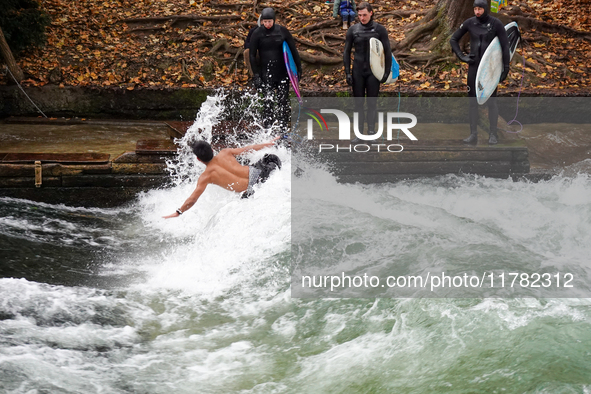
(482,31)
(364,82)
(271,70)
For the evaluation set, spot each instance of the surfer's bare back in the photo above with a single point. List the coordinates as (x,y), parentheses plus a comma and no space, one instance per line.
(224,170)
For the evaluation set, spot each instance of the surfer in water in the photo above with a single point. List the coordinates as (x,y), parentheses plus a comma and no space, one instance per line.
(270,72)
(224,170)
(362,80)
(483,28)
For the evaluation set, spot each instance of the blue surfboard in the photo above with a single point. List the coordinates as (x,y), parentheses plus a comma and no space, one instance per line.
(377,61)
(292,70)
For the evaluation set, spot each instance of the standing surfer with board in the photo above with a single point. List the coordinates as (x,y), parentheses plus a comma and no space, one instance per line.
(270,71)
(362,80)
(483,28)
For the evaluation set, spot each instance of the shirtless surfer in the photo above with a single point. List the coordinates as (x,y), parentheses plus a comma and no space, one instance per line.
(224,170)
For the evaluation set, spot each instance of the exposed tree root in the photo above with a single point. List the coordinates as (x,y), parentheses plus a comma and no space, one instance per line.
(526,22)
(319,46)
(403,13)
(181,18)
(320,59)
(419,32)
(317,26)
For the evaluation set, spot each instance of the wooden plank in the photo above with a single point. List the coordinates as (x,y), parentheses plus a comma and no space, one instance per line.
(139,168)
(433,156)
(47,181)
(155,147)
(132,157)
(64,158)
(40,120)
(392,178)
(113,180)
(520,155)
(440,145)
(520,167)
(53,169)
(17,170)
(441,168)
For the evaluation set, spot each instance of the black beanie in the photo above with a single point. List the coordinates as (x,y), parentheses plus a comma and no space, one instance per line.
(268,13)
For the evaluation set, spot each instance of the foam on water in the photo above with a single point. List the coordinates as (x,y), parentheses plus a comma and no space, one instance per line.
(206,305)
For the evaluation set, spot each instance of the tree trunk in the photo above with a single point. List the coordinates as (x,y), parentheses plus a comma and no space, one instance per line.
(430,36)
(9,59)
(456,12)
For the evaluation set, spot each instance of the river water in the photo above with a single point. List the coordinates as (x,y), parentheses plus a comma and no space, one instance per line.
(121,301)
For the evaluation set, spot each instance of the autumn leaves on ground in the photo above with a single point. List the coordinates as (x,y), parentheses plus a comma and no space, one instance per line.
(198,44)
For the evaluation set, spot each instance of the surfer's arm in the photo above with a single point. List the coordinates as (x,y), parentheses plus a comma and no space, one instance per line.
(504,41)
(254,48)
(201,185)
(455,41)
(347,52)
(387,52)
(239,151)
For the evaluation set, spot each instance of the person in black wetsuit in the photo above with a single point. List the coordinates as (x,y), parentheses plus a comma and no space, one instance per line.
(362,79)
(246,53)
(483,28)
(270,73)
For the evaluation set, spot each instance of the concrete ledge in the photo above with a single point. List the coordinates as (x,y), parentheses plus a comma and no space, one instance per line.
(426,159)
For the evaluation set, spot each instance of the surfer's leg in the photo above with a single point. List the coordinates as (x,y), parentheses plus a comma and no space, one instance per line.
(359,94)
(473,107)
(493,118)
(283,107)
(268,103)
(260,172)
(253,177)
(373,89)
(247,61)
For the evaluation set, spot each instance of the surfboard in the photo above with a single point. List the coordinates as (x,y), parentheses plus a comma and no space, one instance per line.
(292,70)
(377,61)
(491,65)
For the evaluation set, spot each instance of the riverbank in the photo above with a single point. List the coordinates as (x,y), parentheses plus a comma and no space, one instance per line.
(175,103)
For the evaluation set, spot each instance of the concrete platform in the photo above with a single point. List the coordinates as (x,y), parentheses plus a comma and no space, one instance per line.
(106,163)
(389,161)
(83,163)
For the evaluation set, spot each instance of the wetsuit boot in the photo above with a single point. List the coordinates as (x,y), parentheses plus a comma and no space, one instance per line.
(493,117)
(493,138)
(472,139)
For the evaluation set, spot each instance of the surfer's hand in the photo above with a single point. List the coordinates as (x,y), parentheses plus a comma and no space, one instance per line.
(172,215)
(504,74)
(349,79)
(257,81)
(468,58)
(272,142)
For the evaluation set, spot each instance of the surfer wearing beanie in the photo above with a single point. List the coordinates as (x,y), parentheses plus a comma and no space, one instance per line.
(362,80)
(483,28)
(270,72)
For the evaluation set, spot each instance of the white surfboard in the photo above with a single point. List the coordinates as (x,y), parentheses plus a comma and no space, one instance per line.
(377,61)
(491,65)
